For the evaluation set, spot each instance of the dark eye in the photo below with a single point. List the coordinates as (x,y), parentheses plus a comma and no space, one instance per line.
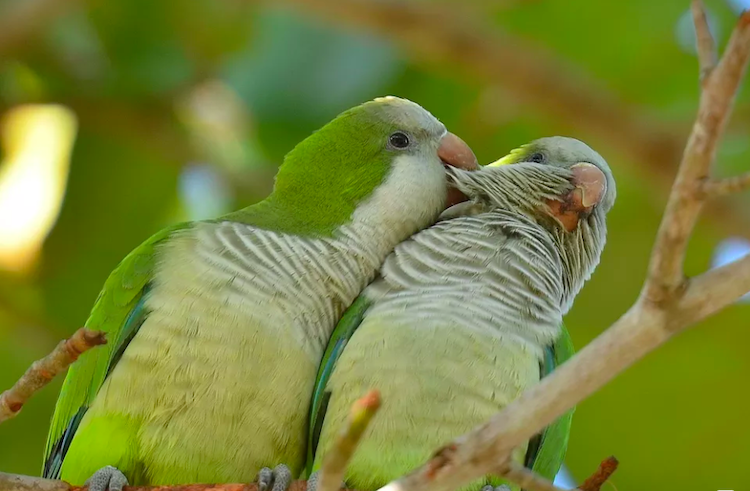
(398,140)
(537,157)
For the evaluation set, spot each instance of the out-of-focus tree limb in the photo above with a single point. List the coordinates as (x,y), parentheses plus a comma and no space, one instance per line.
(21,20)
(435,34)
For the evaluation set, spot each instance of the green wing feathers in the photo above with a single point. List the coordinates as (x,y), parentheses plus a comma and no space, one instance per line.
(553,444)
(344,330)
(119,312)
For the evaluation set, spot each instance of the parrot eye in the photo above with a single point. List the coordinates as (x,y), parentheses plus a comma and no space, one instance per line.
(398,140)
(537,157)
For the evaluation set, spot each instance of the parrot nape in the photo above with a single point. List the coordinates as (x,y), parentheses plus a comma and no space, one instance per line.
(467,314)
(216,328)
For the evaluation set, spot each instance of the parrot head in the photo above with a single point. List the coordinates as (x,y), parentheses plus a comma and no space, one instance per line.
(559,176)
(561,183)
(593,177)
(384,159)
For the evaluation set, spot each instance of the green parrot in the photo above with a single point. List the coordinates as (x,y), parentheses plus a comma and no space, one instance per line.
(467,314)
(216,328)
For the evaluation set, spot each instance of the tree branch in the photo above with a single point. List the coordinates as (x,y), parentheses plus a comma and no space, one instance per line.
(43,371)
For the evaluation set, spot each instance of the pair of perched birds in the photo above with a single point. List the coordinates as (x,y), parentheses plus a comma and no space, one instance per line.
(231,349)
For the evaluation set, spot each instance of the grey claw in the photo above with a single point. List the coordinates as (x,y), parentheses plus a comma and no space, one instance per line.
(265,479)
(282,478)
(312,481)
(278,479)
(107,478)
(490,487)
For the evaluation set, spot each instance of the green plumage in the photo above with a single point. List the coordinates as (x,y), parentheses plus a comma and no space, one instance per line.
(549,455)
(114,313)
(303,202)
(216,328)
(546,453)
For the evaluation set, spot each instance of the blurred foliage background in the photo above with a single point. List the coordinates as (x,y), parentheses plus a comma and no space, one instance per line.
(121,117)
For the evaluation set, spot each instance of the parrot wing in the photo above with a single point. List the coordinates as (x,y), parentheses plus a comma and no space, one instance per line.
(343,332)
(547,451)
(119,312)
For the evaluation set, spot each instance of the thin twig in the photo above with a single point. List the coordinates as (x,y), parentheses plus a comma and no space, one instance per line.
(334,465)
(602,474)
(705,45)
(667,305)
(729,185)
(43,371)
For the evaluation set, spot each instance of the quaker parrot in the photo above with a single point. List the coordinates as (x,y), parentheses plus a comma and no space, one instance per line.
(467,314)
(216,328)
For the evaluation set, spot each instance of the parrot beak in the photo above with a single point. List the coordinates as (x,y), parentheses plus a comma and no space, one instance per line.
(455,152)
(590,183)
(590,187)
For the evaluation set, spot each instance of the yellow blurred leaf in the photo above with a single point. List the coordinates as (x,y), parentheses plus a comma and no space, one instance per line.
(38,141)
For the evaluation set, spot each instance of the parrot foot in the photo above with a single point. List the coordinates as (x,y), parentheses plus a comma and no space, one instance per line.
(277,479)
(312,482)
(107,478)
(502,487)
